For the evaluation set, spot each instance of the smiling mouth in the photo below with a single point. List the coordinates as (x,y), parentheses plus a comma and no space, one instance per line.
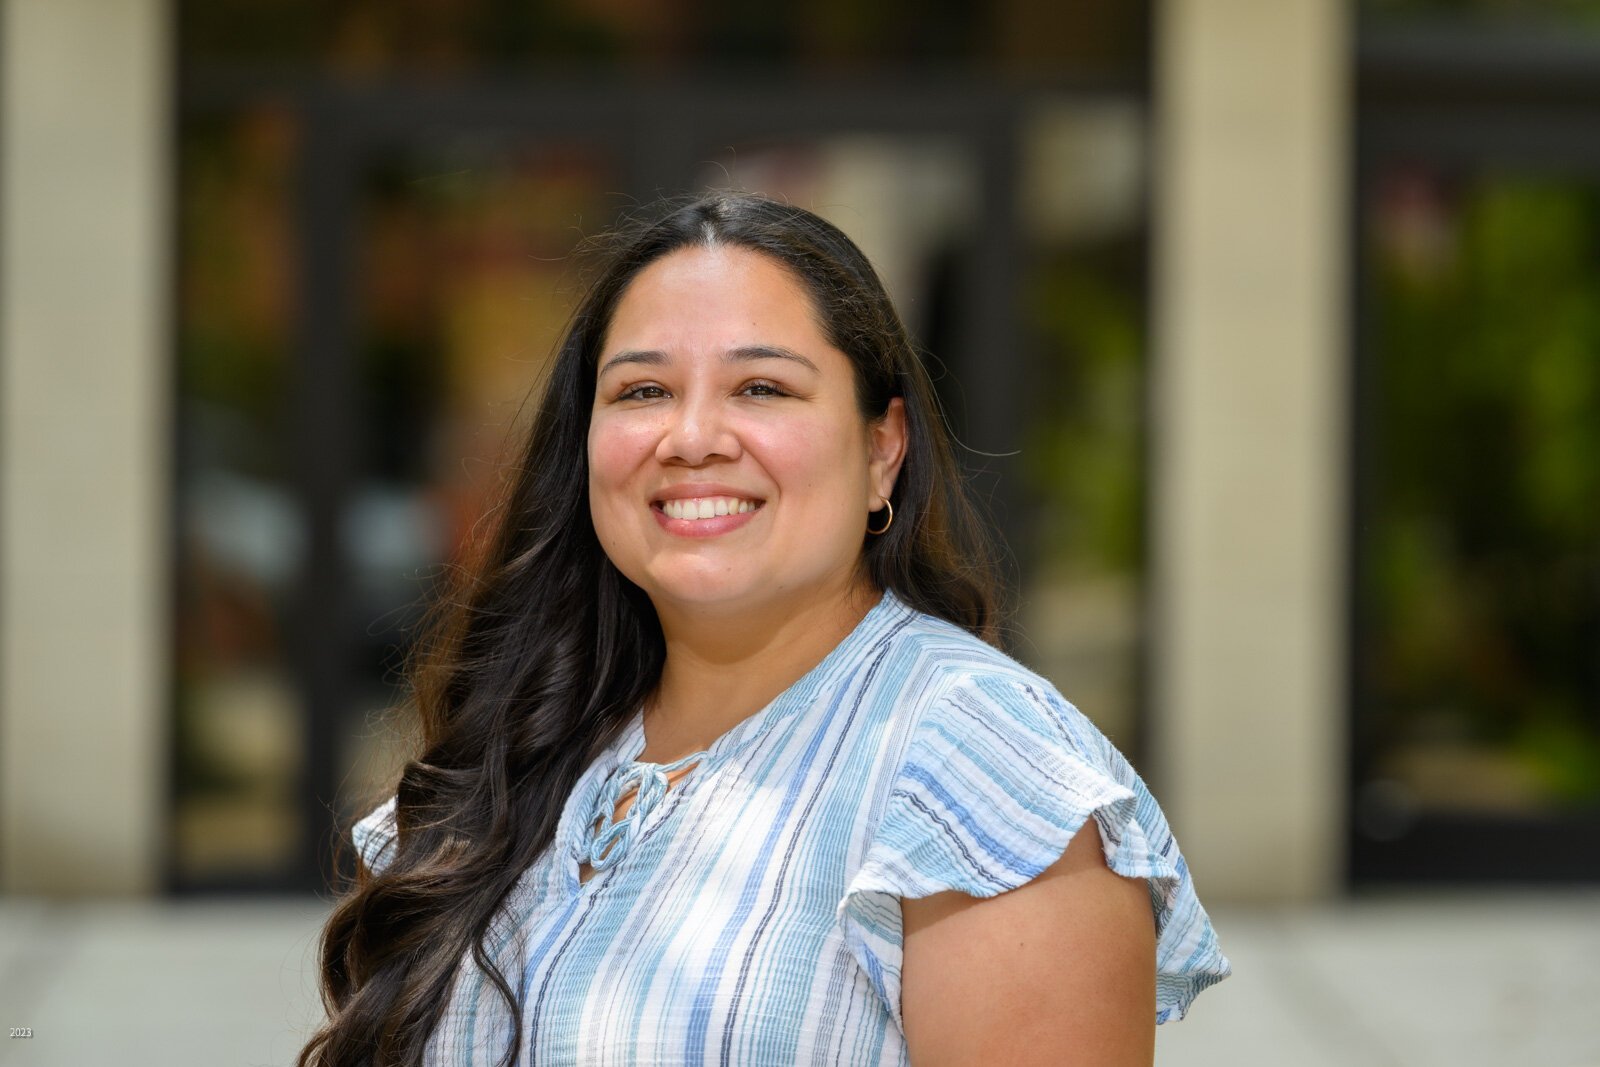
(706,507)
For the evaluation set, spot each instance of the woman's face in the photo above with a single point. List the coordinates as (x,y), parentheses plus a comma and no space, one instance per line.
(729,467)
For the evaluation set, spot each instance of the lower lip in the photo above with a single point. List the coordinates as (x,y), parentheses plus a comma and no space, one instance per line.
(711,527)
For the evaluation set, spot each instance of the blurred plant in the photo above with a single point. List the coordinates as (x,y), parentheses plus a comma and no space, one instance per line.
(1082,452)
(235,273)
(1545,11)
(1484,546)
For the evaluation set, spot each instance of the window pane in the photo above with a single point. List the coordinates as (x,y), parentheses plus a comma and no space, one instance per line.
(238,739)
(1569,15)
(1481,549)
(464,282)
(1033,38)
(1083,448)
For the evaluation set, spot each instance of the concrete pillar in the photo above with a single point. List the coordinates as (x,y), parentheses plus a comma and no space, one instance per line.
(1248,432)
(85,386)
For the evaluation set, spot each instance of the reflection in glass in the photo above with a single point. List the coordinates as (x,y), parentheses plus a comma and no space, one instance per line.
(464,275)
(238,743)
(372,40)
(1481,578)
(1083,455)
(1562,16)
(460,283)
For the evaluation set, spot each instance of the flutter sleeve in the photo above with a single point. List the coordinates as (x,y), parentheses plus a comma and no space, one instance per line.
(997,777)
(374,835)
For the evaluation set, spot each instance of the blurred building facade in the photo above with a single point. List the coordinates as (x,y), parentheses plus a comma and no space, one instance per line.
(1268,327)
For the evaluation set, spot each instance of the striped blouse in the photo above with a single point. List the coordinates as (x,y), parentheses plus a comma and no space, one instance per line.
(749,915)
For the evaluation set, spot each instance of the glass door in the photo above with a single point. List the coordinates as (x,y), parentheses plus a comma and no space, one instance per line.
(408,269)
(1476,736)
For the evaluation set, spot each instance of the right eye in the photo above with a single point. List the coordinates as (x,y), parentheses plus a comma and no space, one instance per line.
(642,392)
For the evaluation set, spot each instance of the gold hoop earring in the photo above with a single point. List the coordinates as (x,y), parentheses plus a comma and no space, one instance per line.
(887,523)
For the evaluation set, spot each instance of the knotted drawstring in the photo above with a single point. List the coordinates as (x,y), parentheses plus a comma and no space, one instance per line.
(613,838)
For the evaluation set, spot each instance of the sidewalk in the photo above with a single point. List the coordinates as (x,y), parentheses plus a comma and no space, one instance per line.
(1464,979)
(1414,980)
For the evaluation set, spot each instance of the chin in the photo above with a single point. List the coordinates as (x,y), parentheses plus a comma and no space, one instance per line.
(736,594)
(721,593)
(709,595)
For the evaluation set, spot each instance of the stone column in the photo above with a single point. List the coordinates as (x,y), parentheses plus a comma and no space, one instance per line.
(85,399)
(1248,432)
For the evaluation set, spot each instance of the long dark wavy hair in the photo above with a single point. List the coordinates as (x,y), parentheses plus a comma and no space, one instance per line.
(539,650)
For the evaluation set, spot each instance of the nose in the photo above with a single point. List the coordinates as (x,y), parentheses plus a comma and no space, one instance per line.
(696,432)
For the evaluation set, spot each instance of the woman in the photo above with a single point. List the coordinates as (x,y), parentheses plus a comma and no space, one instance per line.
(717,765)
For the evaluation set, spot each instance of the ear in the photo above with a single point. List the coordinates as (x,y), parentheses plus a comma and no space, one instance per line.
(886,437)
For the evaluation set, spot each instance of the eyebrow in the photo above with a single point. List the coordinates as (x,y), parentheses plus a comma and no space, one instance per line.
(742,354)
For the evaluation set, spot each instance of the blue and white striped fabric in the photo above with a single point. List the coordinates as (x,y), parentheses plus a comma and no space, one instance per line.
(752,917)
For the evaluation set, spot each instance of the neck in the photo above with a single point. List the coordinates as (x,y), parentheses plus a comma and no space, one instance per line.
(721,669)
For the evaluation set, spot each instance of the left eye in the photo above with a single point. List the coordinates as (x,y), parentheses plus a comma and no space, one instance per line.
(763,389)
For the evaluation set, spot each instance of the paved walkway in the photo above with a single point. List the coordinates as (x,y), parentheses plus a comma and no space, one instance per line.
(1410,980)
(1404,981)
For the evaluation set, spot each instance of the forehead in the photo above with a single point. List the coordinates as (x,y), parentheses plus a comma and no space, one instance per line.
(697,301)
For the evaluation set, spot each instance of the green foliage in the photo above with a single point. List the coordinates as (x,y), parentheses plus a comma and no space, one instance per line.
(1566,12)
(1082,450)
(1485,540)
(234,269)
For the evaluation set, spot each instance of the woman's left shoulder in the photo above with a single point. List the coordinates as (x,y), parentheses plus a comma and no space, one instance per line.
(996,772)
(967,683)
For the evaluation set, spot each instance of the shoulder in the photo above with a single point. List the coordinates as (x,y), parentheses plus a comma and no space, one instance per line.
(953,685)
(374,836)
(992,775)
(943,647)
(987,762)
(966,745)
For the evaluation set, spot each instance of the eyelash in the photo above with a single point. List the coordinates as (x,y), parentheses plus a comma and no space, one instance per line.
(632,392)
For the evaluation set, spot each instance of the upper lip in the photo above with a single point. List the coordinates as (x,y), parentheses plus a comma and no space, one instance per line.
(702,489)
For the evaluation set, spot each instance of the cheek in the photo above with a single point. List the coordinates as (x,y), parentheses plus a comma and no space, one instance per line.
(612,459)
(823,458)
(615,452)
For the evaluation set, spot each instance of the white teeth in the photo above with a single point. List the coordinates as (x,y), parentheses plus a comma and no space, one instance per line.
(707,507)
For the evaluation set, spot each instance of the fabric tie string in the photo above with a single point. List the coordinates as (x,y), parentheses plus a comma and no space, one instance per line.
(614,836)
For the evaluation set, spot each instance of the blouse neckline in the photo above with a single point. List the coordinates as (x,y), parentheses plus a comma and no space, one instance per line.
(621,756)
(630,743)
